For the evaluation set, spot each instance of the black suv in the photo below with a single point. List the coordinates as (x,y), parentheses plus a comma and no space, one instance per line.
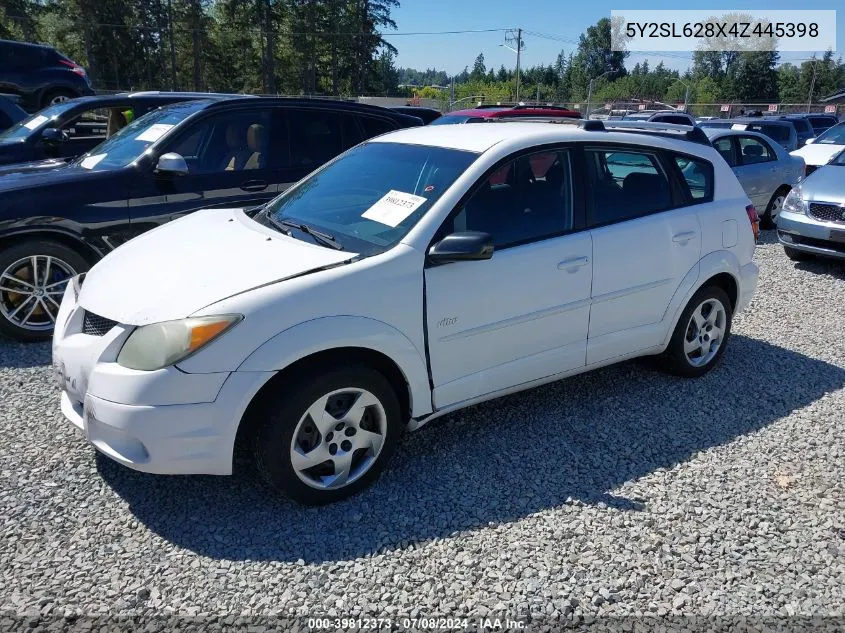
(69,129)
(40,75)
(216,152)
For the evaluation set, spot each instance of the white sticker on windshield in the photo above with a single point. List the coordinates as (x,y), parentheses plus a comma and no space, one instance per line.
(394,207)
(31,125)
(153,133)
(90,161)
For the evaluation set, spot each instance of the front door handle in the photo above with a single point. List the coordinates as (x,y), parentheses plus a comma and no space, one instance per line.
(573,264)
(254,185)
(683,238)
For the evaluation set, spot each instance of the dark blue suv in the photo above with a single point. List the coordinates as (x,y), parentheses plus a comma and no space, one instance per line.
(215,152)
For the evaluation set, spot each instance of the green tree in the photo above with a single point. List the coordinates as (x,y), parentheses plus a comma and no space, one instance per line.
(479,70)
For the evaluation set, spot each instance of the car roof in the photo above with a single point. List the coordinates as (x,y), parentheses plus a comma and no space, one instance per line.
(32,44)
(481,137)
(162,98)
(330,104)
(760,119)
(722,131)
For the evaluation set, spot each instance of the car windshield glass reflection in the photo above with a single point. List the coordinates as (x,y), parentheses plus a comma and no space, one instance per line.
(372,195)
(832,136)
(127,145)
(38,121)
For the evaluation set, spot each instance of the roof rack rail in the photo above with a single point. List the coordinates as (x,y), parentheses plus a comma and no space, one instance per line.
(693,134)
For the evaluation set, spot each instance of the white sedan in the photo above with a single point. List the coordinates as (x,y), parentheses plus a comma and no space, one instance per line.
(818,151)
(416,274)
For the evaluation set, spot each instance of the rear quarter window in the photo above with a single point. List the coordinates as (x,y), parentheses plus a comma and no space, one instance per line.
(697,174)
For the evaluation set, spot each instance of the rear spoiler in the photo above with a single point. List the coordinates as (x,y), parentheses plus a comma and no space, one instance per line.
(693,134)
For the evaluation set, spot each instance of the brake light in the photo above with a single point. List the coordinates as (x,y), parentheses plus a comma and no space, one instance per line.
(755,221)
(76,68)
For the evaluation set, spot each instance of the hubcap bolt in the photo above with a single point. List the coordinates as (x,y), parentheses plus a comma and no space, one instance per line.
(349,431)
(333,449)
(338,426)
(346,445)
(329,436)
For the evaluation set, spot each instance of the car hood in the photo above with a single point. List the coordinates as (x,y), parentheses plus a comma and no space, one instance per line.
(818,153)
(40,172)
(176,269)
(826,184)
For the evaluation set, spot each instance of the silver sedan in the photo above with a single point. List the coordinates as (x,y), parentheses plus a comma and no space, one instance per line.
(764,169)
(812,220)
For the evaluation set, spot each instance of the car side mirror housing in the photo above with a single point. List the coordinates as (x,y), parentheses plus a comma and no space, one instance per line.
(172,163)
(54,136)
(809,141)
(462,246)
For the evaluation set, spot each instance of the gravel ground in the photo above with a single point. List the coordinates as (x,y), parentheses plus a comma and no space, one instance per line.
(620,492)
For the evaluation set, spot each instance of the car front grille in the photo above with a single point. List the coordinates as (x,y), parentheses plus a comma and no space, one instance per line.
(95,325)
(827,211)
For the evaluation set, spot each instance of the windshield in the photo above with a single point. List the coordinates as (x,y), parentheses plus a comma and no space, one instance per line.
(838,160)
(372,195)
(127,145)
(35,123)
(832,136)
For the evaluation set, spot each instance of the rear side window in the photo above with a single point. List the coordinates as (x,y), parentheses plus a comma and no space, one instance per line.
(373,126)
(317,136)
(802,125)
(672,118)
(779,133)
(625,184)
(754,150)
(698,174)
(726,148)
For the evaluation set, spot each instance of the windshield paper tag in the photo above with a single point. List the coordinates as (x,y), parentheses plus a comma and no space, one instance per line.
(394,207)
(31,125)
(90,161)
(153,133)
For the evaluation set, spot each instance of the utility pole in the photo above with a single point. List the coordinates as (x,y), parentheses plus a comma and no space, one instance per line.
(172,45)
(517,40)
(812,85)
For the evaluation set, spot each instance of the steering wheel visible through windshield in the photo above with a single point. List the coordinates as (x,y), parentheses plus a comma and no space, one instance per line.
(130,142)
(370,197)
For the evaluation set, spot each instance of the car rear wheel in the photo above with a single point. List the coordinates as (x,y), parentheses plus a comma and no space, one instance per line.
(796,255)
(701,335)
(769,218)
(57,96)
(33,277)
(328,434)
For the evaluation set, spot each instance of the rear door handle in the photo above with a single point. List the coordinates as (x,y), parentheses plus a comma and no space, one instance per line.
(254,185)
(573,264)
(683,238)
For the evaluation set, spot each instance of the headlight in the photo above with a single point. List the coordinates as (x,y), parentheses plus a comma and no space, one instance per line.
(158,345)
(794,203)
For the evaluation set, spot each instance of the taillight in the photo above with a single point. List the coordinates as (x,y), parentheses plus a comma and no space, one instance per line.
(755,221)
(79,70)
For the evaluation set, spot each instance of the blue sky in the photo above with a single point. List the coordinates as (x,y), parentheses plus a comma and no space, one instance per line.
(564,20)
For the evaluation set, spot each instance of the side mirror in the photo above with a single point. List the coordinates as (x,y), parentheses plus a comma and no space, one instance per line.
(54,136)
(810,141)
(462,246)
(172,163)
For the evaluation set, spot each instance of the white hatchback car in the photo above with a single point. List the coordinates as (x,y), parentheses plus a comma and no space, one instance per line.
(418,273)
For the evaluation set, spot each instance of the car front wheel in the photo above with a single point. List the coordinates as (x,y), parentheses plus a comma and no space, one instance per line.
(701,335)
(33,277)
(328,434)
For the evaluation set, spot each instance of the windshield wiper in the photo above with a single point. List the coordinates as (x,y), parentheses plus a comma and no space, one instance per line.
(323,238)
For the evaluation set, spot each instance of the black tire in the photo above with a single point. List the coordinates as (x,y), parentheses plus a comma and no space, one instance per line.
(67,256)
(282,410)
(796,255)
(675,359)
(49,95)
(767,221)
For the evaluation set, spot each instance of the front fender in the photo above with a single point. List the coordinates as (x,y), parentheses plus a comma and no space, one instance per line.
(328,333)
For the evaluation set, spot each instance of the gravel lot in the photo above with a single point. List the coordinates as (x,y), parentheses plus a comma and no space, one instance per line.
(615,493)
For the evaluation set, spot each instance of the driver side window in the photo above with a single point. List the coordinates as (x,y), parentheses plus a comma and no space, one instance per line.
(524,200)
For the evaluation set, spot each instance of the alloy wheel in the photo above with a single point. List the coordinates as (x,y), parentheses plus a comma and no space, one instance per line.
(338,438)
(59,99)
(31,290)
(705,332)
(777,205)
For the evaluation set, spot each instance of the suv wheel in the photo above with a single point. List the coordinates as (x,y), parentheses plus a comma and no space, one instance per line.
(60,95)
(701,335)
(329,434)
(768,220)
(33,277)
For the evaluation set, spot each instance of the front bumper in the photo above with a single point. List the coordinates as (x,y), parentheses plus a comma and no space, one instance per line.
(809,235)
(164,421)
